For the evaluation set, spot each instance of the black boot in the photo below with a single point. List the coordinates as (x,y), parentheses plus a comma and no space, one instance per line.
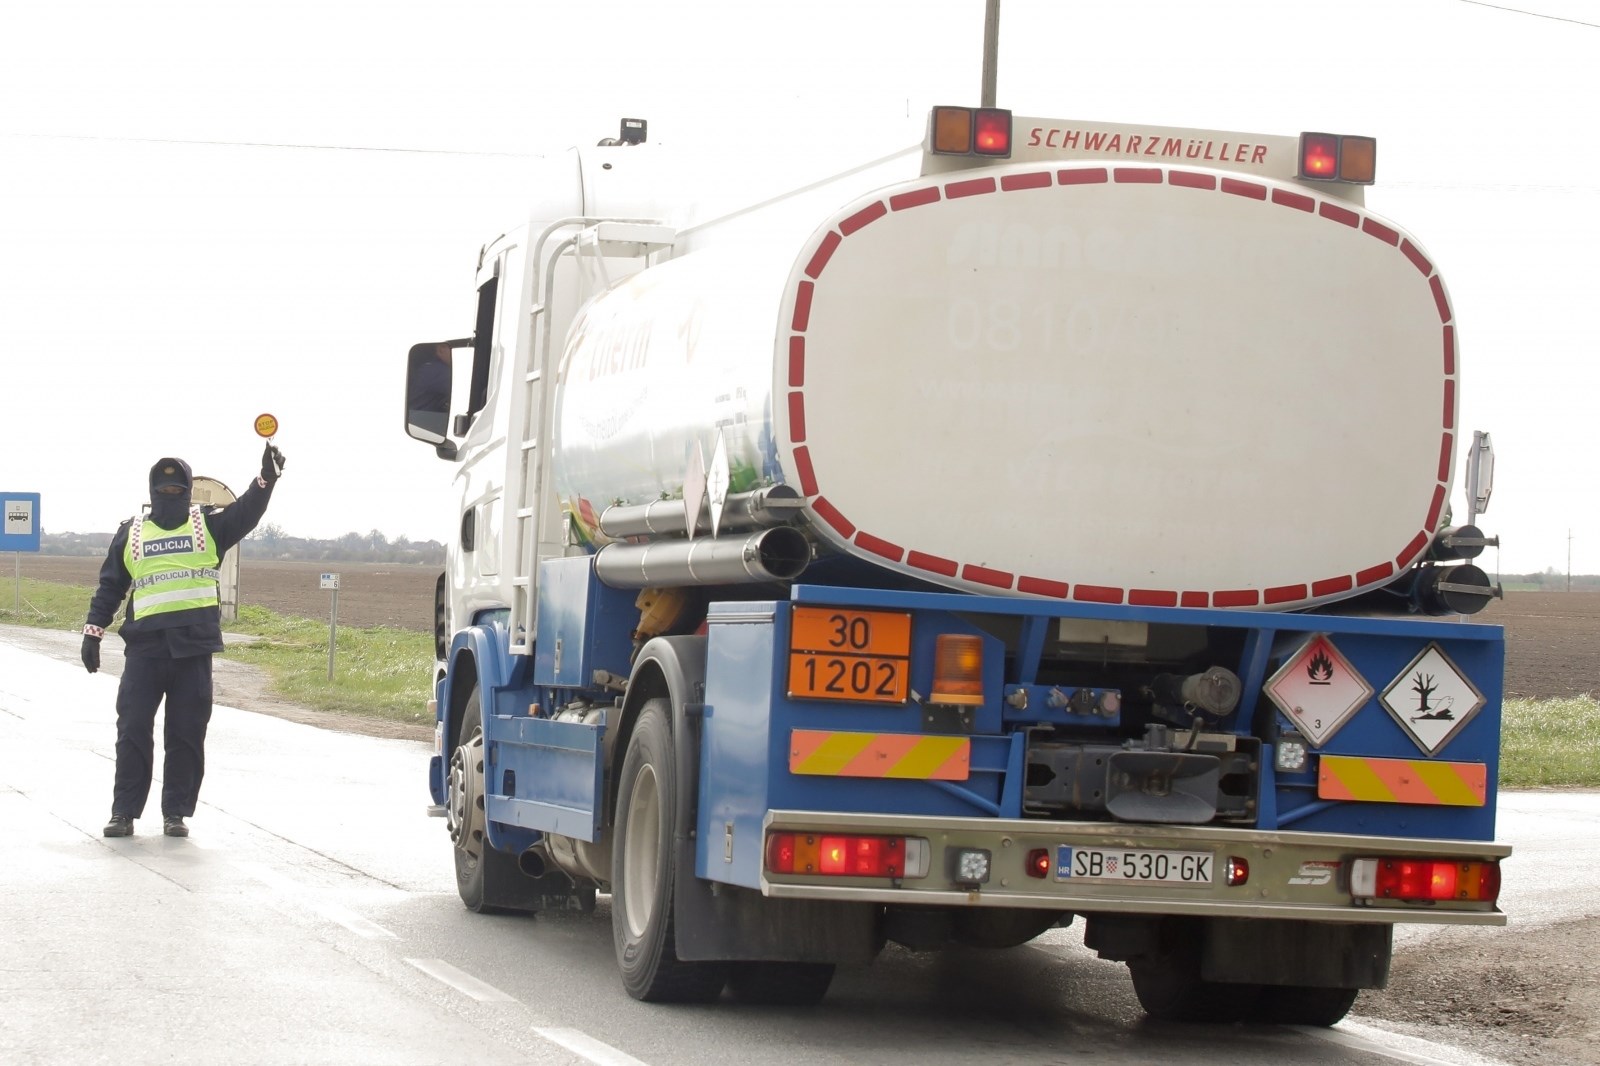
(119,826)
(173,826)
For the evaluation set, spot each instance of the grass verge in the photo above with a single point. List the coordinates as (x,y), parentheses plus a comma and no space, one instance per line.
(377,673)
(1551,743)
(383,673)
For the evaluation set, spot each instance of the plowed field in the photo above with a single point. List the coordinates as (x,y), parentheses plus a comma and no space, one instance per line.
(1552,638)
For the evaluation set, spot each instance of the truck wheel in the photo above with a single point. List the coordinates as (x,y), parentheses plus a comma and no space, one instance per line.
(1170,988)
(1302,1005)
(785,984)
(476,862)
(643,865)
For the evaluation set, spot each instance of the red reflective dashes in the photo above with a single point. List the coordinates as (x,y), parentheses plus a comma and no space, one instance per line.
(932,563)
(824,252)
(1411,551)
(797,417)
(1017,182)
(1332,585)
(1038,586)
(976,187)
(862,218)
(879,546)
(808,479)
(1089,176)
(1380,231)
(802,306)
(805,293)
(1284,198)
(1373,574)
(1418,260)
(1343,216)
(914,199)
(830,514)
(1438,298)
(984,576)
(1434,508)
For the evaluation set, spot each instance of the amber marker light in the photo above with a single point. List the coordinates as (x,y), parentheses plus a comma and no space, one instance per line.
(952,130)
(1358,160)
(957,670)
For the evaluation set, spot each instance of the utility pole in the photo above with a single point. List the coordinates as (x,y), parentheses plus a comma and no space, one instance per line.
(1569,558)
(991,50)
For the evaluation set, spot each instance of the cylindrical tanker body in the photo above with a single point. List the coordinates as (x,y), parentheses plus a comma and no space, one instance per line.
(1141,385)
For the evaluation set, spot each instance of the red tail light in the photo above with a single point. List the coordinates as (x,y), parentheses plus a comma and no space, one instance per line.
(1425,880)
(993,136)
(844,855)
(1038,863)
(1319,156)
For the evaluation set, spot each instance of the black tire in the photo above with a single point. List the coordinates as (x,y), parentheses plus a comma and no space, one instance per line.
(478,866)
(788,984)
(1301,1005)
(1170,988)
(643,867)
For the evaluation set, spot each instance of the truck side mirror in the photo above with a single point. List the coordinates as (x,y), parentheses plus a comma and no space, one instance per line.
(1480,474)
(429,378)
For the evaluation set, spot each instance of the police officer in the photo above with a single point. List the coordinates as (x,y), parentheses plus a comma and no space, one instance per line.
(172,628)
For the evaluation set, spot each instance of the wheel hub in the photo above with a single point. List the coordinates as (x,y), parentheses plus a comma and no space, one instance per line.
(464,814)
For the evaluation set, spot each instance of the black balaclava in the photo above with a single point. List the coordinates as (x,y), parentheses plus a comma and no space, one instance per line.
(170,509)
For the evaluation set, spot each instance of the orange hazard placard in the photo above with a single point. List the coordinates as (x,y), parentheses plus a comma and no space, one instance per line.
(860,656)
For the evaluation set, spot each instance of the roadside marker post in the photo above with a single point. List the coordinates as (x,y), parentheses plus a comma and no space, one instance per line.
(19,513)
(331,582)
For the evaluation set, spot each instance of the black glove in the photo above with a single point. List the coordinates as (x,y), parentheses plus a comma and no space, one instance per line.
(91,653)
(271,464)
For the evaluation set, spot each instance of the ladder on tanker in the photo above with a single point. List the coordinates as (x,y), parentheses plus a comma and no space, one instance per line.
(539,526)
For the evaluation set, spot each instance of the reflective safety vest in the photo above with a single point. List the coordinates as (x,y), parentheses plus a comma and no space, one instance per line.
(172,569)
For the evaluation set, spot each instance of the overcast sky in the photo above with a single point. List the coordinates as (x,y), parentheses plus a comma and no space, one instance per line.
(210,209)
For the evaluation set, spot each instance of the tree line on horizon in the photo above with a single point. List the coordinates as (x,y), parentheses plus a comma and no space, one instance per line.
(269,541)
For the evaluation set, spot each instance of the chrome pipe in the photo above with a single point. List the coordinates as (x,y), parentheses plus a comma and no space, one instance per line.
(757,509)
(778,554)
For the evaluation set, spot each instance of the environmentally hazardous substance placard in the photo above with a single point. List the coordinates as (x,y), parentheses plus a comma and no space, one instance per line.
(1318,690)
(1432,699)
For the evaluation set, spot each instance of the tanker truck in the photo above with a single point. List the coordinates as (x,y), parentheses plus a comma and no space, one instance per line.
(1049,522)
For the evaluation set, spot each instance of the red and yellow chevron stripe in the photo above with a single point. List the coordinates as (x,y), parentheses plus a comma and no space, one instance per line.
(1439,784)
(910,756)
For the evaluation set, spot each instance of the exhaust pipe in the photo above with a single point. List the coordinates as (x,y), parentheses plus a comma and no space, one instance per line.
(778,554)
(532,862)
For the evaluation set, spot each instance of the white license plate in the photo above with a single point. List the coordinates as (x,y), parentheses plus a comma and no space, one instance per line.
(1133,864)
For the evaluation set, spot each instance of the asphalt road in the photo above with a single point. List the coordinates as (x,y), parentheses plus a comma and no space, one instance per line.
(312,918)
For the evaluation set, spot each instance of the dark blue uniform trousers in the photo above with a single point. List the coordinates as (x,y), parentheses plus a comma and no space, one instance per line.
(186,685)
